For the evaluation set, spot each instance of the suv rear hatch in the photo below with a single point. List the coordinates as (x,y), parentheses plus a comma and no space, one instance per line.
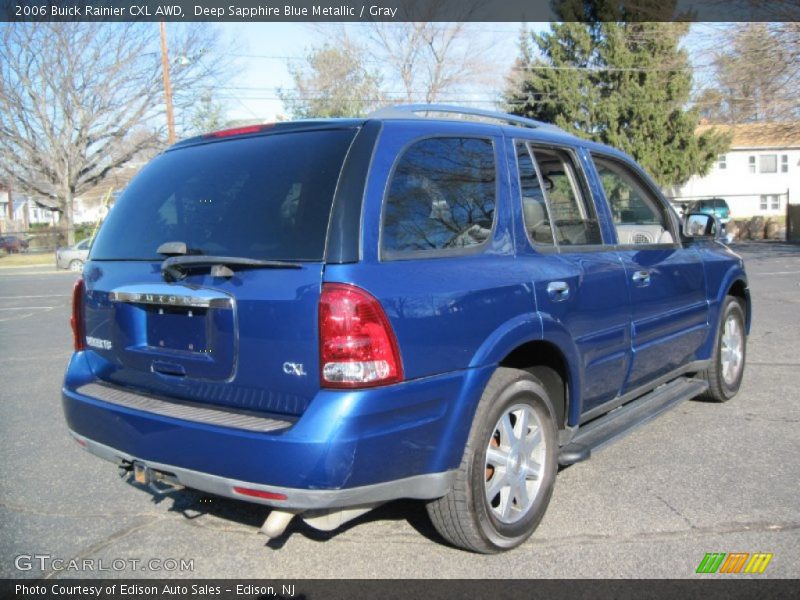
(203,284)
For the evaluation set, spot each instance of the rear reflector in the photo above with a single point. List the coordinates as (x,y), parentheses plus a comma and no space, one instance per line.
(259,494)
(76,321)
(237,131)
(357,344)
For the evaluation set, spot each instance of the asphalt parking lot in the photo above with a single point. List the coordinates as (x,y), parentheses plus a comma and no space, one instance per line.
(701,478)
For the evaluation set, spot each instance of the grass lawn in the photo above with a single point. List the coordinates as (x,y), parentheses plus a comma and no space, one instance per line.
(27,259)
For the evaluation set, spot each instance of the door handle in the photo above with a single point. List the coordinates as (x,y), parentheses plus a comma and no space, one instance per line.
(558,290)
(641,278)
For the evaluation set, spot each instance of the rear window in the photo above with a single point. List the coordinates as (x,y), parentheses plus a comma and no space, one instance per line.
(265,197)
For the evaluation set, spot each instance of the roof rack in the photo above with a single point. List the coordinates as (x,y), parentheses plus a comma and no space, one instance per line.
(409,111)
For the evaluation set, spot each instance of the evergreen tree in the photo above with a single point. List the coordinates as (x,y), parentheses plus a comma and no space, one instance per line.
(207,116)
(333,83)
(625,84)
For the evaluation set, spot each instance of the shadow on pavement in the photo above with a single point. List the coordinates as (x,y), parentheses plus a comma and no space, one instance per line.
(192,504)
(763,250)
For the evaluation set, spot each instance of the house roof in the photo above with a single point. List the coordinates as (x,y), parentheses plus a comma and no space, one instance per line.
(759,135)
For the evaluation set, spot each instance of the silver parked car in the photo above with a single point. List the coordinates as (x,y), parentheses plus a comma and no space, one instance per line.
(73,257)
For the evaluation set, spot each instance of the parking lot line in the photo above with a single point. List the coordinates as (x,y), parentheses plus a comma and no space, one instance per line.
(38,296)
(756,274)
(28,308)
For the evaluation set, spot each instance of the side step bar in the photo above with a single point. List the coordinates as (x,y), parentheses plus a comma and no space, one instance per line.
(618,422)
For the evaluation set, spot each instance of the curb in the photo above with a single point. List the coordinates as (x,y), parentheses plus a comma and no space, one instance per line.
(34,270)
(31,266)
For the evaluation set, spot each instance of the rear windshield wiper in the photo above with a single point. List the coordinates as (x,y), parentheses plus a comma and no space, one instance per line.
(176,249)
(176,268)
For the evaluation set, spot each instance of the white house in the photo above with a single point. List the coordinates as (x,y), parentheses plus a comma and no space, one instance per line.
(757,176)
(24,212)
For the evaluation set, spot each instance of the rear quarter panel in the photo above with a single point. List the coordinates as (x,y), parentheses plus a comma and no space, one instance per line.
(442,309)
(449,314)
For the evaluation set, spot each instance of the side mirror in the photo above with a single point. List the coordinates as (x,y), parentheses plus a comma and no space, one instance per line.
(700,225)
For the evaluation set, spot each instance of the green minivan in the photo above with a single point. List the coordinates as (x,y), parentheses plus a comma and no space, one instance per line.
(712,206)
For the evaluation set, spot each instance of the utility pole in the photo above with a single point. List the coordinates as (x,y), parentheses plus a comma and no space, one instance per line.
(167,85)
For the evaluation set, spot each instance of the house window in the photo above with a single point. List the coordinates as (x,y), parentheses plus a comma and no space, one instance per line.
(751,163)
(784,163)
(721,161)
(770,201)
(768,163)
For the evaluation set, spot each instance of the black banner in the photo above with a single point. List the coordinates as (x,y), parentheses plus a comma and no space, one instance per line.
(225,589)
(398,10)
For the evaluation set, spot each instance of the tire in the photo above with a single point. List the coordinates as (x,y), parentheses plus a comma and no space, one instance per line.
(488,515)
(76,265)
(724,376)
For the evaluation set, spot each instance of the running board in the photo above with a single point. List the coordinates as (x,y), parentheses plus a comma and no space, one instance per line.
(618,422)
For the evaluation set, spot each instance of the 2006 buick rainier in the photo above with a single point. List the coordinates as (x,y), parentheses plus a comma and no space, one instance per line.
(432,302)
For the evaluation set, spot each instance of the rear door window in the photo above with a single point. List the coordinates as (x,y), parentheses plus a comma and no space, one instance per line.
(441,198)
(264,197)
(574,220)
(535,213)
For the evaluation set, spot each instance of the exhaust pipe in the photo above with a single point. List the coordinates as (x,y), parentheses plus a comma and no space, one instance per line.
(276,523)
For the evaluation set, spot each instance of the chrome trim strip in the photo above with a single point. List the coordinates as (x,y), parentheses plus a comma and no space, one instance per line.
(161,294)
(423,487)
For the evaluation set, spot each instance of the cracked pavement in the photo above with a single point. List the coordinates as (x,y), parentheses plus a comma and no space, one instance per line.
(701,478)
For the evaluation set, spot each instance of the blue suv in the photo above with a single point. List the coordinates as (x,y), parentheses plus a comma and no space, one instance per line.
(432,302)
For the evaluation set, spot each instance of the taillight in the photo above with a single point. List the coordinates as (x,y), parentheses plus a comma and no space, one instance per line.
(357,344)
(78,329)
(239,131)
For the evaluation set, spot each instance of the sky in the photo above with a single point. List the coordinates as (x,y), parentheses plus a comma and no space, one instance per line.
(262,52)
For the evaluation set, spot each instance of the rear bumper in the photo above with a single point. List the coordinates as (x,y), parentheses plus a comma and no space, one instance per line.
(432,485)
(348,448)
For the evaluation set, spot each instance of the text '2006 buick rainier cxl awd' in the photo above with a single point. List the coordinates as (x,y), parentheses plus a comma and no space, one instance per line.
(322,316)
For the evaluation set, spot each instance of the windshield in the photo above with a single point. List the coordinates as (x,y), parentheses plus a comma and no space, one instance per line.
(265,197)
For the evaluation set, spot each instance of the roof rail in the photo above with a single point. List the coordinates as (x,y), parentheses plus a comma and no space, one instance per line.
(409,111)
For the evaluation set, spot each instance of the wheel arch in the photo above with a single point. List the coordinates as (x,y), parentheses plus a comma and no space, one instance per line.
(538,340)
(545,361)
(733,283)
(738,289)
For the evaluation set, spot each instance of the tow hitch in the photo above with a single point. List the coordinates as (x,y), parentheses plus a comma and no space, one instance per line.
(159,482)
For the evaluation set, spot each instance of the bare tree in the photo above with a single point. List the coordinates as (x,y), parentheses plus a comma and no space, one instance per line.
(756,74)
(430,59)
(757,10)
(78,100)
(334,82)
